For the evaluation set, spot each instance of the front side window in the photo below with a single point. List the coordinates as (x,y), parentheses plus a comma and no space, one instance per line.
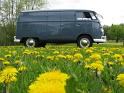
(83,16)
(79,15)
(87,15)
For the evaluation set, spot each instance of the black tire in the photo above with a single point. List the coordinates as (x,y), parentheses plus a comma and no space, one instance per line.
(31,42)
(84,42)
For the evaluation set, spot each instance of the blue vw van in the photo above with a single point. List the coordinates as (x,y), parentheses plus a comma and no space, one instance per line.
(36,28)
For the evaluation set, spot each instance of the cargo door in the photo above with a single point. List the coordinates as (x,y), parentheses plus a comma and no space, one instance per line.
(53,26)
(35,24)
(67,25)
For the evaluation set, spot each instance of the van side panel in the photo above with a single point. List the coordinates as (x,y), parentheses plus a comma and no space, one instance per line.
(52,27)
(32,24)
(60,27)
(67,33)
(52,31)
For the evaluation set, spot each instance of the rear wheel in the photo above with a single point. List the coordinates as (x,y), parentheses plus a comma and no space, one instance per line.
(84,41)
(31,42)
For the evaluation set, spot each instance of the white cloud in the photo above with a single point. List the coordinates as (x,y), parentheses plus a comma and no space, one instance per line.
(112,10)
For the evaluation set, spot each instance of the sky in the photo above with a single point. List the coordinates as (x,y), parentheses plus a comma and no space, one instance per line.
(111,10)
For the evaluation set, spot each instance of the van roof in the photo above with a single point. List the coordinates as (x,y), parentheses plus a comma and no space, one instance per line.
(58,10)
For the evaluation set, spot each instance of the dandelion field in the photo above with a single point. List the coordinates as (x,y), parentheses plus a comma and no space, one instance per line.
(62,69)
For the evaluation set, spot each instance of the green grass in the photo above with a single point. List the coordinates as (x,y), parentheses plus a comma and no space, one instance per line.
(82,80)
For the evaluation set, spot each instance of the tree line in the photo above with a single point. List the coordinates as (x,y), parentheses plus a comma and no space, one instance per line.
(9,11)
(115,32)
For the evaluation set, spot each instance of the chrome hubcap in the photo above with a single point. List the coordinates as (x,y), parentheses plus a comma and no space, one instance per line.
(84,42)
(30,42)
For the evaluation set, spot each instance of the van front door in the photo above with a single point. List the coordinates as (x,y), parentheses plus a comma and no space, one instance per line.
(83,23)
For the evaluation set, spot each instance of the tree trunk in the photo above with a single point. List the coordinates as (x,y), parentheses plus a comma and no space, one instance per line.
(117,40)
(123,42)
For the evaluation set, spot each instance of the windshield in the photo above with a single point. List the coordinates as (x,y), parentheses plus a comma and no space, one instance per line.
(100,18)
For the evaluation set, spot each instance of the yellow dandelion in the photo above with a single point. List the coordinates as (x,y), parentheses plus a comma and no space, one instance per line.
(61,56)
(18,62)
(110,63)
(14,52)
(49,87)
(27,52)
(2,59)
(89,51)
(123,55)
(97,66)
(122,63)
(99,62)
(8,56)
(53,75)
(69,57)
(87,60)
(95,57)
(22,68)
(106,54)
(8,75)
(6,62)
(104,49)
(56,52)
(88,66)
(107,89)
(120,79)
(75,60)
(118,57)
(50,58)
(35,52)
(49,82)
(78,56)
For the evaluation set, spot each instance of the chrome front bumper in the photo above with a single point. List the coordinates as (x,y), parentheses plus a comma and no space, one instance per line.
(16,40)
(102,40)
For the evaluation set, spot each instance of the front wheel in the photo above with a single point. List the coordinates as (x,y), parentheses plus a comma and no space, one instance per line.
(84,41)
(31,42)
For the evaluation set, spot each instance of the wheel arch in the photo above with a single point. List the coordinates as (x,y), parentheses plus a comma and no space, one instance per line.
(25,38)
(87,40)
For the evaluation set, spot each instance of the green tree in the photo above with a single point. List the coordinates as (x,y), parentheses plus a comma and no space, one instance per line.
(115,32)
(122,32)
(106,30)
(9,11)
(33,4)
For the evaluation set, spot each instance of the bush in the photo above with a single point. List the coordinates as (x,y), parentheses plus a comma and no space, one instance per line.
(7,32)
